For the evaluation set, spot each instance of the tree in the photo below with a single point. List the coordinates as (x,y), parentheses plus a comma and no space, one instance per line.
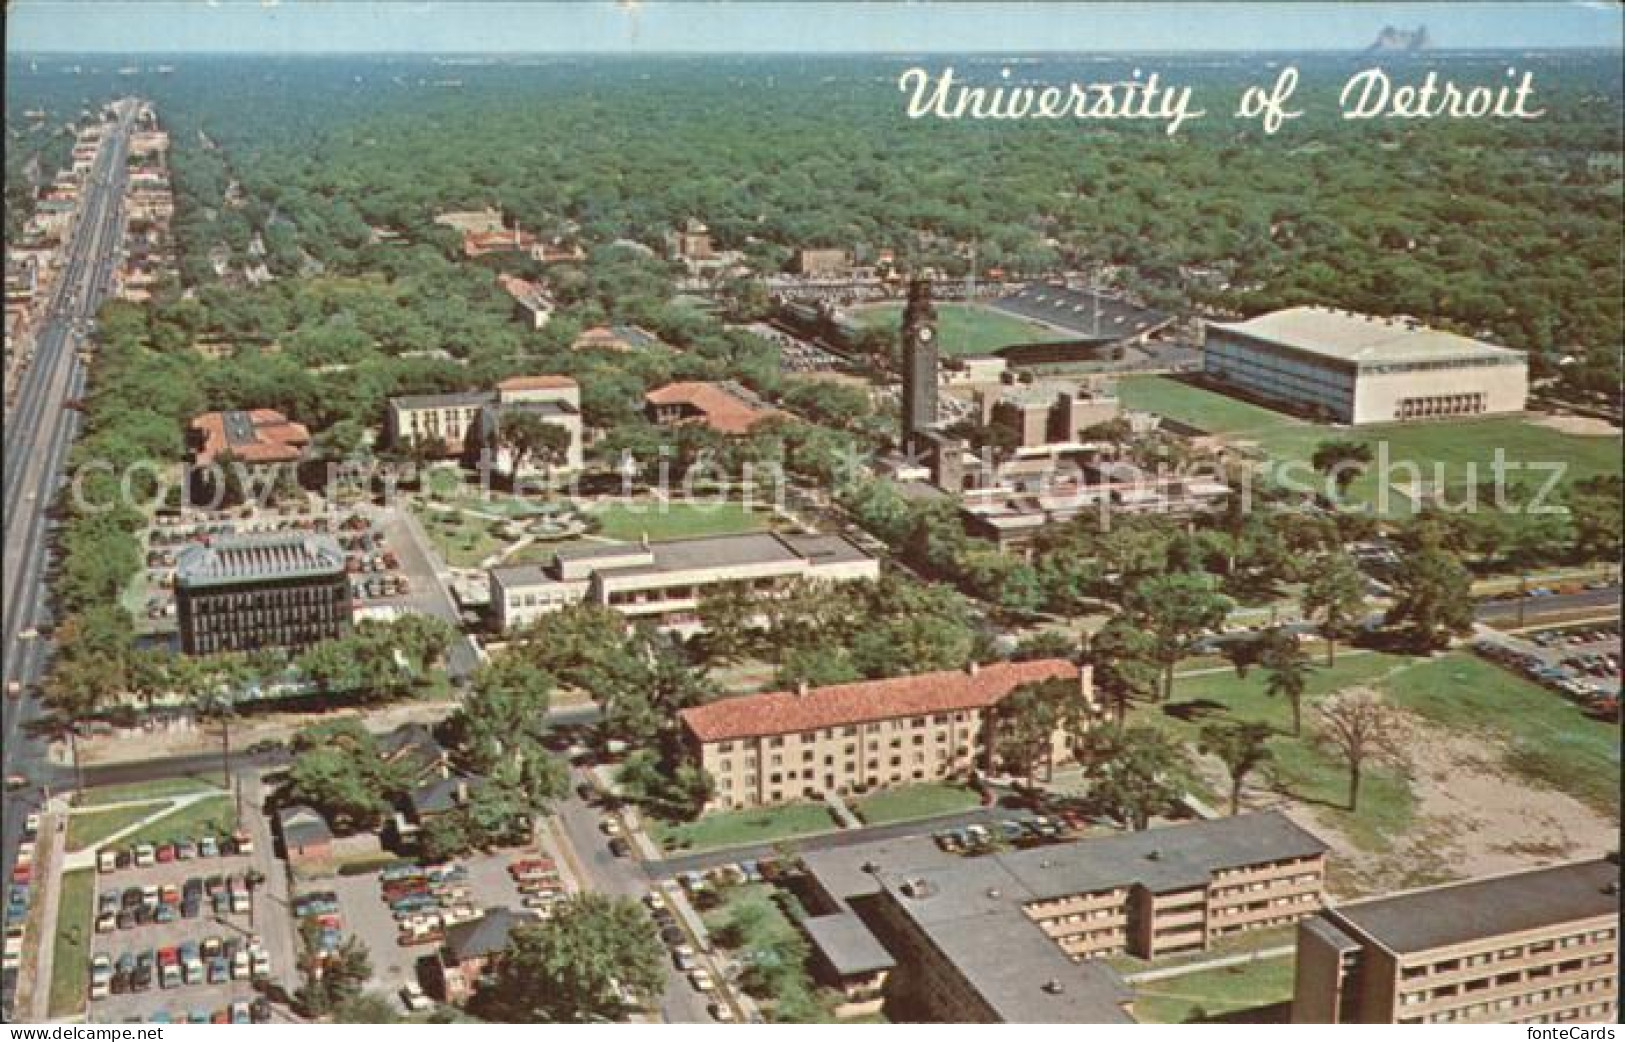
(1124,666)
(1243,652)
(1286,671)
(1175,608)
(333,979)
(1028,720)
(337,769)
(527,435)
(1242,748)
(369,1007)
(1362,730)
(1432,598)
(504,718)
(729,614)
(1136,773)
(573,968)
(1335,597)
(1341,460)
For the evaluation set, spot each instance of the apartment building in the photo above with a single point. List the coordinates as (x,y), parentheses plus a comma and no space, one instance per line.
(1022,936)
(1534,947)
(853,738)
(1365,369)
(663,582)
(244,593)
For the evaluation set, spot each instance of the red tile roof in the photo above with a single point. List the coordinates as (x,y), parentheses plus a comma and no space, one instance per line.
(275,438)
(717,408)
(786,712)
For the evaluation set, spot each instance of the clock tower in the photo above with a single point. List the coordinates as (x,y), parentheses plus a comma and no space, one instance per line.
(920,363)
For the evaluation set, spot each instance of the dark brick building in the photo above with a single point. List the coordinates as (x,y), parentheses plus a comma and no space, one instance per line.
(250,592)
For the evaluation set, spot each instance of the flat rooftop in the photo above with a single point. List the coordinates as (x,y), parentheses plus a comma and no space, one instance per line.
(236,559)
(972,908)
(705,552)
(1365,339)
(1458,913)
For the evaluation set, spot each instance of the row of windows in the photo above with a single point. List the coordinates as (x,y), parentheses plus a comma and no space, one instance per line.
(1511,1003)
(249,621)
(336,592)
(1441,405)
(1516,952)
(851,730)
(1266,884)
(1502,980)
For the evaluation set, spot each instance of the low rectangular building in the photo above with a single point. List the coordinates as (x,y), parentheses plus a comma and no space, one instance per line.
(1534,947)
(458,423)
(853,738)
(663,582)
(1352,368)
(1021,936)
(724,407)
(245,593)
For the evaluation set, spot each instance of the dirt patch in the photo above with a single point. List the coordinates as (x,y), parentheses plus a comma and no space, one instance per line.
(1581,426)
(1473,818)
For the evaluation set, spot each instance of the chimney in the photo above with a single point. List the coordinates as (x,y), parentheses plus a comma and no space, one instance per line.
(973,667)
(1053,986)
(462,792)
(802,689)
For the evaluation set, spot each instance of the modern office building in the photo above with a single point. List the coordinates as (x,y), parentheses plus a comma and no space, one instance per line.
(853,738)
(1021,936)
(1533,947)
(244,593)
(1362,369)
(663,582)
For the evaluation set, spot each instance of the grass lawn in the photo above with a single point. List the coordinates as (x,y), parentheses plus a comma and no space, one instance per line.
(659,520)
(460,540)
(755,926)
(91,827)
(70,956)
(966,329)
(915,801)
(1205,994)
(1445,453)
(158,788)
(1306,773)
(1549,741)
(741,827)
(214,816)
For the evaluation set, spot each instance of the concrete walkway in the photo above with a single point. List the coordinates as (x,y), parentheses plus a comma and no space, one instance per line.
(1210,964)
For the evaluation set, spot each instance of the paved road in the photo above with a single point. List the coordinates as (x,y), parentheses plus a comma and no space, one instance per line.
(38,434)
(672,866)
(606,873)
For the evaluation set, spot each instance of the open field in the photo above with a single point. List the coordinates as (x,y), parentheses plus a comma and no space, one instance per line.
(740,827)
(1208,994)
(88,828)
(1300,771)
(461,540)
(1450,454)
(659,521)
(70,955)
(909,802)
(1548,741)
(965,329)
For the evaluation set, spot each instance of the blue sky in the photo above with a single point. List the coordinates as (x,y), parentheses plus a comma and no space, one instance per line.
(651,26)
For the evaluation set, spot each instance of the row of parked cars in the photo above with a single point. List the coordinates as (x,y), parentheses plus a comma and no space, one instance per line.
(139,905)
(425,901)
(145,855)
(320,910)
(1014,831)
(540,885)
(213,960)
(256,1012)
(1597,698)
(676,940)
(16,919)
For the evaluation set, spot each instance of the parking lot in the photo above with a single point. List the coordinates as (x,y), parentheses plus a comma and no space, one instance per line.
(482,882)
(1581,663)
(217,941)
